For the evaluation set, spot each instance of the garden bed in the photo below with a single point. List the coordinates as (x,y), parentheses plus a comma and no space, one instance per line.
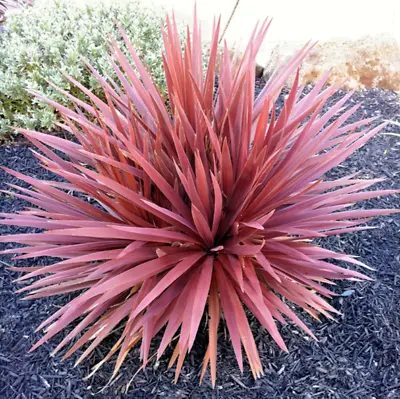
(357,357)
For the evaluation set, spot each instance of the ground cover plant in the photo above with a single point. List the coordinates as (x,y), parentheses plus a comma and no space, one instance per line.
(40,43)
(207,205)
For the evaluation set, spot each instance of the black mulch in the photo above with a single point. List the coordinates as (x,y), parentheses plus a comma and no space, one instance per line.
(357,357)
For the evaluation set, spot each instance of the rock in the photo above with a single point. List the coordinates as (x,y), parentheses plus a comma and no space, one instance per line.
(259,71)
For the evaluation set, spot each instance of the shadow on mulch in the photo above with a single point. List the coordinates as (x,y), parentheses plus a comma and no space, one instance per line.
(356,357)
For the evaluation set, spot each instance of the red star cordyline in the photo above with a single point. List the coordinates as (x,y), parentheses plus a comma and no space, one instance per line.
(207,204)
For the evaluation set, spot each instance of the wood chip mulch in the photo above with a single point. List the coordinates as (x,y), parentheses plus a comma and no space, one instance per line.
(356,357)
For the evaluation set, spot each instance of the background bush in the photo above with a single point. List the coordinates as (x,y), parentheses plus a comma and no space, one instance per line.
(52,35)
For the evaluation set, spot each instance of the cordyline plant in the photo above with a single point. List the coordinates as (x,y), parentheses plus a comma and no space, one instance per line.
(10,4)
(208,204)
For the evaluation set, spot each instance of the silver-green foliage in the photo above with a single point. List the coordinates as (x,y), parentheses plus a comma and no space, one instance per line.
(41,41)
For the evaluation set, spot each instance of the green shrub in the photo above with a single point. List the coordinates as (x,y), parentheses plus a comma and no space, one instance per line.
(40,41)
